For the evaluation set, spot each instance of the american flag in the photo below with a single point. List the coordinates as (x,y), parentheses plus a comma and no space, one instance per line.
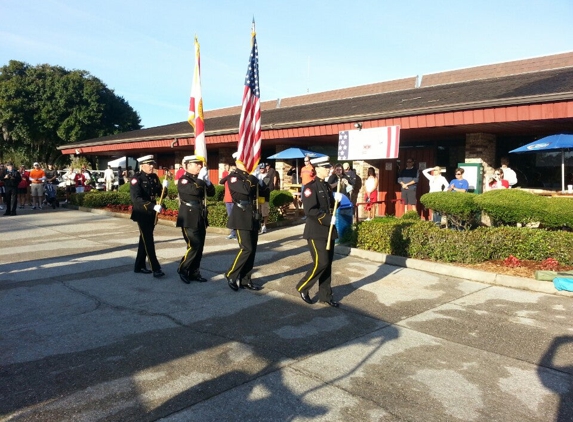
(374,143)
(195,118)
(250,124)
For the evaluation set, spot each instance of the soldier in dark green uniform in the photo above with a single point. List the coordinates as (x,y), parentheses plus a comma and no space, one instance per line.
(318,200)
(145,190)
(192,218)
(246,221)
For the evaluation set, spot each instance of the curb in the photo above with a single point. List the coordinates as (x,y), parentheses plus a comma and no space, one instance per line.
(453,271)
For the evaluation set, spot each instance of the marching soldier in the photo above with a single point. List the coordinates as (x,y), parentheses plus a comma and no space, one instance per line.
(145,189)
(317,200)
(192,217)
(246,221)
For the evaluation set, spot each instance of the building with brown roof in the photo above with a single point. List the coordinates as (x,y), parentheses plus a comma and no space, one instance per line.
(462,116)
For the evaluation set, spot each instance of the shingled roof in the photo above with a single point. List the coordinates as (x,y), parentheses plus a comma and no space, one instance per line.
(394,101)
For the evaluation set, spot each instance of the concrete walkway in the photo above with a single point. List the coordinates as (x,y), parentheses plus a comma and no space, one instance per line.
(83,338)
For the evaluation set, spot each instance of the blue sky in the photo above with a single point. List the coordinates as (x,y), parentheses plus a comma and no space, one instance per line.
(144,49)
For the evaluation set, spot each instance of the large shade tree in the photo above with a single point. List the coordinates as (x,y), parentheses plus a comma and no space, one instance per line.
(43,106)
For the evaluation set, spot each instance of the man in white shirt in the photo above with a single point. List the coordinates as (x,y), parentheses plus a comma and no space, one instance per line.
(508,174)
(108,178)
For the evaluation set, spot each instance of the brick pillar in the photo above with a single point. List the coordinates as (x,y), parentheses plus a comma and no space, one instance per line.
(480,148)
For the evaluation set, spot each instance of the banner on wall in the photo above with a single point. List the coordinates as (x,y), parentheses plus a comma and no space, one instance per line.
(368,144)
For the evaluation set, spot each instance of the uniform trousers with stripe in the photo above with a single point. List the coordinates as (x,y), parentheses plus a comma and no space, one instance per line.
(320,271)
(245,259)
(195,240)
(146,248)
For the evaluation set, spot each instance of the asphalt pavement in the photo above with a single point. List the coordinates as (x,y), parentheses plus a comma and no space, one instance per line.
(84,338)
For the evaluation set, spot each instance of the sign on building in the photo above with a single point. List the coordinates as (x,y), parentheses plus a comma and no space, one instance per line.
(368,144)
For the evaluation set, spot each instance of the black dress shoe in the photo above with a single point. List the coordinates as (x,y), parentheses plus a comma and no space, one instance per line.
(250,286)
(196,276)
(184,278)
(232,284)
(143,271)
(306,297)
(330,303)
(158,273)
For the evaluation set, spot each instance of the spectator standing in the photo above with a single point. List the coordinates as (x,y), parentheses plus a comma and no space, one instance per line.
(307,173)
(70,182)
(408,180)
(2,188)
(459,184)
(227,198)
(145,188)
(498,181)
(274,178)
(51,175)
(11,180)
(37,179)
(371,195)
(180,172)
(87,179)
(108,178)
(437,184)
(355,181)
(264,206)
(120,180)
(23,186)
(80,180)
(509,174)
(346,187)
(192,217)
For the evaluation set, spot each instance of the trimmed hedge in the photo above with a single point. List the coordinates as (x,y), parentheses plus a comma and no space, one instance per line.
(503,206)
(423,240)
(217,209)
(459,207)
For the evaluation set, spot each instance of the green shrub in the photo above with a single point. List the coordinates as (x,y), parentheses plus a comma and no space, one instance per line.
(423,240)
(559,213)
(511,206)
(124,188)
(383,235)
(95,199)
(410,215)
(217,214)
(219,193)
(459,207)
(280,198)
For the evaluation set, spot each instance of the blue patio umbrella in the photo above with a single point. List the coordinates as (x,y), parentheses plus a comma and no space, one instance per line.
(560,142)
(294,154)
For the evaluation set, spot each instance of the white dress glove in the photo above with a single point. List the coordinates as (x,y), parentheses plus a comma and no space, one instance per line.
(202,173)
(257,172)
(333,220)
(165,183)
(349,189)
(337,196)
(157,208)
